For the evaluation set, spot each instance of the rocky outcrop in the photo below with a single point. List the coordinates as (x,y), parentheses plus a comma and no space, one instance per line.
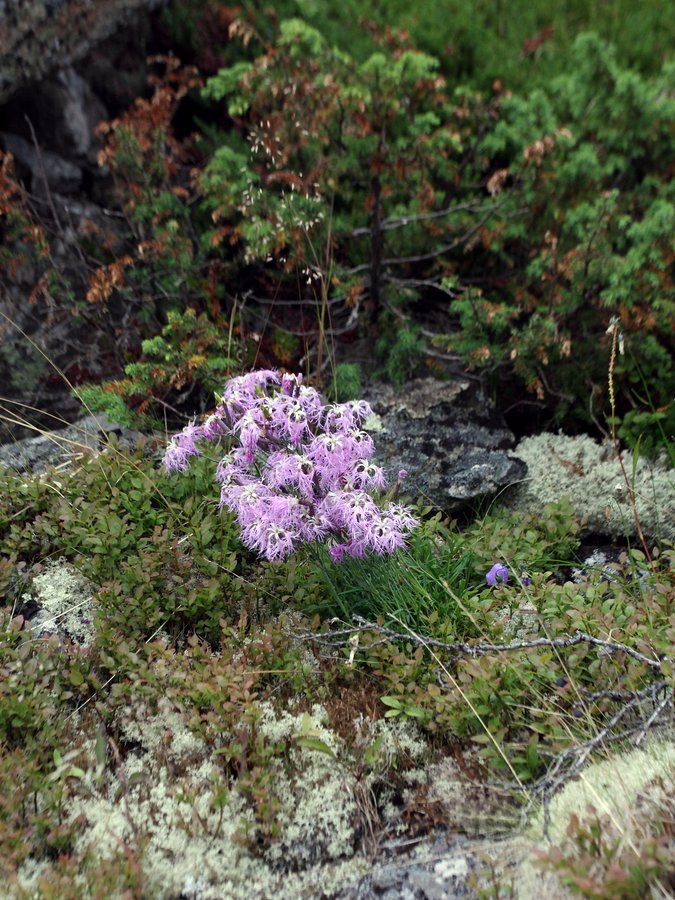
(45,172)
(38,36)
(54,448)
(448,438)
(65,65)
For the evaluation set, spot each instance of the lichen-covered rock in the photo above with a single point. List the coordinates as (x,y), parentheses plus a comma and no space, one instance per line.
(590,475)
(448,438)
(192,848)
(630,788)
(56,447)
(65,604)
(37,36)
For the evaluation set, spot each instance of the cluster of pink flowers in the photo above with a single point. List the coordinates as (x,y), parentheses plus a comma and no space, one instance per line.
(297,470)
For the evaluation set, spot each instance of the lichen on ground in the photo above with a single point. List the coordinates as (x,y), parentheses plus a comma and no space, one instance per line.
(65,601)
(163,801)
(589,474)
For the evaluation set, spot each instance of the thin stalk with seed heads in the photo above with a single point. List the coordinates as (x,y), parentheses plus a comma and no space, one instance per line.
(617,339)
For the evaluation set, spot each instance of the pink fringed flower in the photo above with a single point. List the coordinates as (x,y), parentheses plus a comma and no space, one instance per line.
(297,471)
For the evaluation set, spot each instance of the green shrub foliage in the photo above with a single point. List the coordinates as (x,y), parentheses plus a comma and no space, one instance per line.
(586,232)
(540,216)
(349,176)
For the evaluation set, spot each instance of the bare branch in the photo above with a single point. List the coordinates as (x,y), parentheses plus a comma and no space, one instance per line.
(480,648)
(568,763)
(402,221)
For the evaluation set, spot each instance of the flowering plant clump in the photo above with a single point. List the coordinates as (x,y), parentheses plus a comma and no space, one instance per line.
(297,470)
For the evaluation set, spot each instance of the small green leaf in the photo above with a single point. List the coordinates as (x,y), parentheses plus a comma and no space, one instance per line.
(314,743)
(76,678)
(392,701)
(532,754)
(100,748)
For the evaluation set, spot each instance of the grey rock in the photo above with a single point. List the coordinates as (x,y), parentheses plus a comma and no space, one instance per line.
(385,878)
(428,885)
(38,36)
(48,172)
(443,870)
(447,437)
(57,447)
(61,112)
(81,112)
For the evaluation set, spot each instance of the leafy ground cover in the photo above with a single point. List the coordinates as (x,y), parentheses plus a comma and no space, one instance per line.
(169,649)
(292,186)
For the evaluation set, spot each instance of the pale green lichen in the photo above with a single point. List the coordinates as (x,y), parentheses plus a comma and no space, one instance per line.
(374,423)
(611,786)
(617,787)
(163,802)
(28,875)
(65,601)
(589,474)
(164,734)
(315,790)
(402,740)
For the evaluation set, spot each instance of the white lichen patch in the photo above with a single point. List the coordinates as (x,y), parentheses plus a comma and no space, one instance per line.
(161,801)
(65,600)
(164,734)
(612,786)
(28,876)
(392,745)
(589,474)
(314,788)
(373,424)
(401,741)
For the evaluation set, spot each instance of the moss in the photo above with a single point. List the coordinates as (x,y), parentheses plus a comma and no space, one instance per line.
(589,474)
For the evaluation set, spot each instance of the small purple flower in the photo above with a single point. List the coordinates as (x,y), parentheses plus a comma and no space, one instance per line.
(384,537)
(402,474)
(527,581)
(365,474)
(497,574)
(181,446)
(279,542)
(289,383)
